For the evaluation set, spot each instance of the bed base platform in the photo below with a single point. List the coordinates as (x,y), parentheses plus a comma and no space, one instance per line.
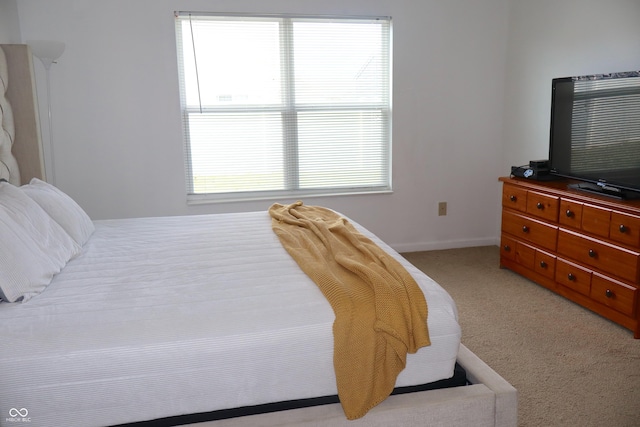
(488,400)
(458,379)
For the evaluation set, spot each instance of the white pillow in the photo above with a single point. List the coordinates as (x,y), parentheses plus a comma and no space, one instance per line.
(33,247)
(24,272)
(62,208)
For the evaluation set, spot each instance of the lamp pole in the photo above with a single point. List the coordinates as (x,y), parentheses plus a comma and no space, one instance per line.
(48,52)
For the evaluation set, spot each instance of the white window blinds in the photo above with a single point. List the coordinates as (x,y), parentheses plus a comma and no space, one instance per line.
(284,105)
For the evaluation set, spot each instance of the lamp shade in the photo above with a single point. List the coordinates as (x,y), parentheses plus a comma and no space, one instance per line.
(46,51)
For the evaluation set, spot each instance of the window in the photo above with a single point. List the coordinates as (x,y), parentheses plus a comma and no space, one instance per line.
(284,105)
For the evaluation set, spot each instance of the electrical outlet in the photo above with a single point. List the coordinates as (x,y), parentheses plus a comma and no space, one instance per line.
(442,208)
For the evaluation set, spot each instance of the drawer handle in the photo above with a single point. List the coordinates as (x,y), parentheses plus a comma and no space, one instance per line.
(609,293)
(592,253)
(623,228)
(540,206)
(571,277)
(543,264)
(525,229)
(569,213)
(507,248)
(513,198)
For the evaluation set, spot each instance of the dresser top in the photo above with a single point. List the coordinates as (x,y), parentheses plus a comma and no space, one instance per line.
(561,188)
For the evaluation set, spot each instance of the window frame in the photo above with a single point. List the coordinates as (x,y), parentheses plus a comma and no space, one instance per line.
(289,111)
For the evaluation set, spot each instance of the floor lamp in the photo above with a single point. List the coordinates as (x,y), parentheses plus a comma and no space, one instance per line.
(48,52)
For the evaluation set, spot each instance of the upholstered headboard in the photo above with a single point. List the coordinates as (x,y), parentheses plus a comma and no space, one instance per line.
(20,142)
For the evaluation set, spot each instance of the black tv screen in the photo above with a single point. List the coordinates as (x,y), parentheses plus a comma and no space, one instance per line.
(595,129)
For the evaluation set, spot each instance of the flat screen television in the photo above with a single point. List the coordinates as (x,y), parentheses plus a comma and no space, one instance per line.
(595,132)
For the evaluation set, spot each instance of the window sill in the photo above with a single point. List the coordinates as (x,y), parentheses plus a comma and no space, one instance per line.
(204,199)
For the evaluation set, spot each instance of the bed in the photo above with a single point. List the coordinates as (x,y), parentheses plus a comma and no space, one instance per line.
(177,320)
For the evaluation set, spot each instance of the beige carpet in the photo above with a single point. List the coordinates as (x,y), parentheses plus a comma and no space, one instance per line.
(570,366)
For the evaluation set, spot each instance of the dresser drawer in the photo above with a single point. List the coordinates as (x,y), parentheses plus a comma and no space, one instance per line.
(600,255)
(508,247)
(596,220)
(625,228)
(543,205)
(525,255)
(617,295)
(545,264)
(529,229)
(570,214)
(573,276)
(514,198)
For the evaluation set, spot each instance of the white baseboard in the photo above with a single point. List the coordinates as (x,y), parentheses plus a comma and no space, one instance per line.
(449,244)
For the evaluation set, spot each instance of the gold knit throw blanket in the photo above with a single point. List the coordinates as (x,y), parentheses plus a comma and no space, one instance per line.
(380,312)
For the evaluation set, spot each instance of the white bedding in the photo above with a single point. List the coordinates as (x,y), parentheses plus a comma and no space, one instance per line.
(176,315)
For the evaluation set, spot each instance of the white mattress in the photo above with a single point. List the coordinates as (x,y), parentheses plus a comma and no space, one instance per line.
(176,315)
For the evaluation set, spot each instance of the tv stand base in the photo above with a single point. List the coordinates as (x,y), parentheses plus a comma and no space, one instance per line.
(606,190)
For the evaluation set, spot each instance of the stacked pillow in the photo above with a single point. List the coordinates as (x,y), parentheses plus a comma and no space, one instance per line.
(41,229)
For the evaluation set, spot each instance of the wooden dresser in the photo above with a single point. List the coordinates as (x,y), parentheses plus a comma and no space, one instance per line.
(585,247)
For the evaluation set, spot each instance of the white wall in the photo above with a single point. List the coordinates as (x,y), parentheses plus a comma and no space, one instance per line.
(9,22)
(117,132)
